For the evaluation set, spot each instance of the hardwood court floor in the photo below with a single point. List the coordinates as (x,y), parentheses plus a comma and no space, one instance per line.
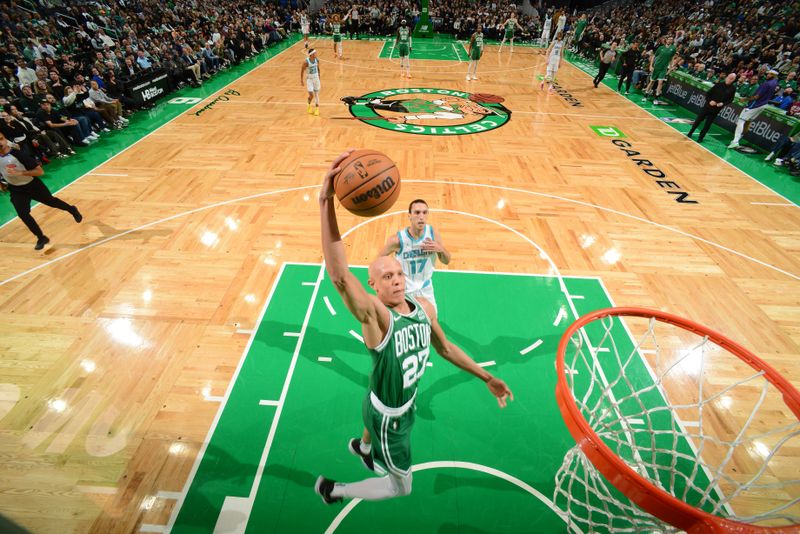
(120,340)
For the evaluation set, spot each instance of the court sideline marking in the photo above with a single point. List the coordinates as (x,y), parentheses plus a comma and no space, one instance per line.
(244,505)
(472,467)
(157,129)
(434,182)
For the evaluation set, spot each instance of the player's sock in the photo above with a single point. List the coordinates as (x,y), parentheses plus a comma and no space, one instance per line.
(366,448)
(374,489)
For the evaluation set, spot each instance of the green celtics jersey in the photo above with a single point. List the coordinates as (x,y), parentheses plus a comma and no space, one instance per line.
(402,36)
(477,46)
(337,29)
(401,358)
(510,25)
(663,56)
(579,27)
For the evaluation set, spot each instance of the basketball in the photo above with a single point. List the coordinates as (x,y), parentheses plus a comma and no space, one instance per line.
(486,98)
(368,184)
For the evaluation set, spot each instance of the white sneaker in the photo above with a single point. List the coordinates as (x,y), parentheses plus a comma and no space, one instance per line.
(778,162)
(93,136)
(769,156)
(468,78)
(733,145)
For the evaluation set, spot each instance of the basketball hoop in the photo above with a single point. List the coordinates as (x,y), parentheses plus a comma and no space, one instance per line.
(645,414)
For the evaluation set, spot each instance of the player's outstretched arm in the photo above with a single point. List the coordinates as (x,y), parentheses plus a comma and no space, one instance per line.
(363,307)
(459,358)
(392,245)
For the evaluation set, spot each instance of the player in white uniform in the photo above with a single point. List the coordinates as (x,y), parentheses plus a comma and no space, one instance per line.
(312,82)
(553,59)
(548,23)
(561,22)
(305,27)
(417,247)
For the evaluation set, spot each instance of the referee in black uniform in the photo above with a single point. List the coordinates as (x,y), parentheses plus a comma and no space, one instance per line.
(717,98)
(629,59)
(18,175)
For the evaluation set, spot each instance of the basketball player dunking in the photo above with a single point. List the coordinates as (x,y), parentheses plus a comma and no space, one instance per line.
(398,332)
(416,247)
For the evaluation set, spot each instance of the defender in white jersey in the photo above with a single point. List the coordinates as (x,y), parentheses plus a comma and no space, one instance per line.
(305,27)
(312,82)
(417,248)
(553,60)
(561,22)
(548,23)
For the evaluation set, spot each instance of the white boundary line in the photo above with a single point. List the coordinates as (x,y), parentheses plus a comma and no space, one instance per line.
(683,136)
(329,305)
(247,507)
(529,348)
(434,182)
(473,467)
(356,335)
(181,114)
(174,515)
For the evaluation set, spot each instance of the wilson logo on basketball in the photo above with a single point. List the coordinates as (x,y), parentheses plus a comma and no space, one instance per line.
(386,185)
(429,111)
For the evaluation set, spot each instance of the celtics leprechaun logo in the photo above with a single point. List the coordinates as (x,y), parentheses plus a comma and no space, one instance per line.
(429,111)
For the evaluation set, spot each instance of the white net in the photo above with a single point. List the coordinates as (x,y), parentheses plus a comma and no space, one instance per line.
(687,415)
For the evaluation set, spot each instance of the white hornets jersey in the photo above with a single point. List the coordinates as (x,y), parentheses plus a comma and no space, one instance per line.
(417,264)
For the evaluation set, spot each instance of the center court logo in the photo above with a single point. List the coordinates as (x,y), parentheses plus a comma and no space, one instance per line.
(428,111)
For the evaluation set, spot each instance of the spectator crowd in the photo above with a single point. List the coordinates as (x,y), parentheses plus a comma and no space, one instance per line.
(66,65)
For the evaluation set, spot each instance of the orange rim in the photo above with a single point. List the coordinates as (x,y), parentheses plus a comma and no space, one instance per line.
(638,489)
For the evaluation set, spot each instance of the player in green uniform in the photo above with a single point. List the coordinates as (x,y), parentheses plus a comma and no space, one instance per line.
(398,332)
(578,34)
(510,24)
(659,63)
(475,52)
(336,29)
(402,42)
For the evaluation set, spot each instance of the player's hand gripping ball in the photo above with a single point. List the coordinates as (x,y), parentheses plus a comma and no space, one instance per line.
(368,184)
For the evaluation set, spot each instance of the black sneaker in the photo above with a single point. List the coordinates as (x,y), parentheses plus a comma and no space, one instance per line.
(323,488)
(76,214)
(41,242)
(354,446)
(349,100)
